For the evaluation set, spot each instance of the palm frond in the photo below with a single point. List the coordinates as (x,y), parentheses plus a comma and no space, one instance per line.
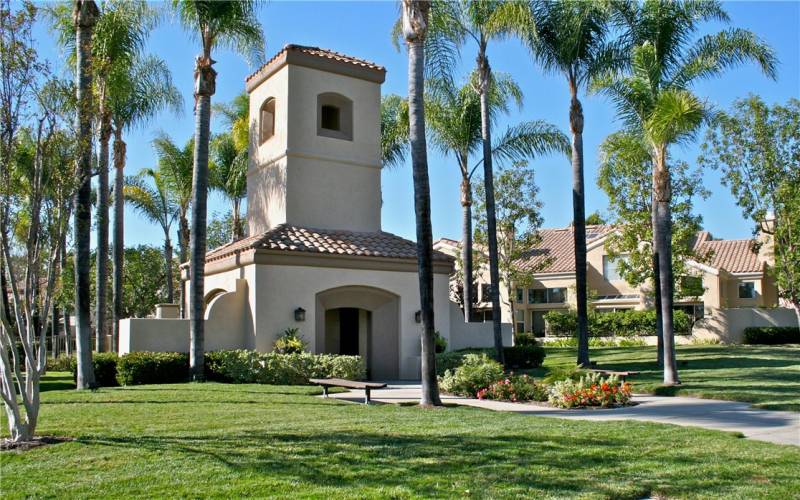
(530,139)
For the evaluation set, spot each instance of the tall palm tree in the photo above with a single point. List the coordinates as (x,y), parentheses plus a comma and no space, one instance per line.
(483,21)
(655,98)
(155,202)
(394,130)
(415,26)
(228,175)
(570,38)
(140,92)
(454,118)
(215,23)
(85,15)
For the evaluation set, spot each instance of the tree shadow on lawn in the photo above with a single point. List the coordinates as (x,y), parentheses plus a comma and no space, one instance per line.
(420,464)
(56,383)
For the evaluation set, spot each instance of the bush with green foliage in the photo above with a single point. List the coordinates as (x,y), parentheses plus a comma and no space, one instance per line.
(440,343)
(591,389)
(290,342)
(245,366)
(525,339)
(629,323)
(524,356)
(61,363)
(137,368)
(515,388)
(477,371)
(105,368)
(772,335)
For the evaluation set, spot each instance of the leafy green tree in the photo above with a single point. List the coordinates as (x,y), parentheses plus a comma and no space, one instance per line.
(757,148)
(518,221)
(149,193)
(415,18)
(220,228)
(141,91)
(454,117)
(655,98)
(483,22)
(595,219)
(228,175)
(570,38)
(216,23)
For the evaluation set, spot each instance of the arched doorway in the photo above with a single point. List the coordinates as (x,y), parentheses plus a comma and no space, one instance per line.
(364,321)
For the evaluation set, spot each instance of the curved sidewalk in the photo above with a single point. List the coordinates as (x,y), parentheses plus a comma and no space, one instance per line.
(780,427)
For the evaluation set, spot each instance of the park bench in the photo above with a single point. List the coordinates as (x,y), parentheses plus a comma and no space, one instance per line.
(325,383)
(621,374)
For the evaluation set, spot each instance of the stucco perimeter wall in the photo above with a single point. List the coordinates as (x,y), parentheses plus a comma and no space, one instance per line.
(282,289)
(149,334)
(464,335)
(728,325)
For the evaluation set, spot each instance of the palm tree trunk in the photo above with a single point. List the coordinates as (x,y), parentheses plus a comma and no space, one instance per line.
(491,220)
(657,300)
(85,16)
(422,209)
(579,226)
(466,247)
(65,313)
(183,245)
(662,232)
(168,267)
(205,82)
(101,265)
(236,220)
(119,235)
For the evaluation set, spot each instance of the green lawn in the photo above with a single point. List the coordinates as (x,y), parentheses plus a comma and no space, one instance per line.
(767,376)
(199,440)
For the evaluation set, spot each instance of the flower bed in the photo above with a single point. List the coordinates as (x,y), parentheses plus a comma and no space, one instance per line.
(515,388)
(591,390)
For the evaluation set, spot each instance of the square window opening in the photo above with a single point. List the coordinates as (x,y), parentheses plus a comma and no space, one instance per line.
(331,118)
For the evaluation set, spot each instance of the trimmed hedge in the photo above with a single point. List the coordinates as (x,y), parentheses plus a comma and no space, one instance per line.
(630,323)
(520,356)
(105,368)
(243,366)
(772,335)
(153,368)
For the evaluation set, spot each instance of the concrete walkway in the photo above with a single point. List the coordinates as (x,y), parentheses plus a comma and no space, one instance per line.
(780,427)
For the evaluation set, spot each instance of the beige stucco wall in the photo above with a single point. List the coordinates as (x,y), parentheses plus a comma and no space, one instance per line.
(150,334)
(464,335)
(306,179)
(728,325)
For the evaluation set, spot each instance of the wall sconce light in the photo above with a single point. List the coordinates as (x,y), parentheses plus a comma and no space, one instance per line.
(299,314)
(418,316)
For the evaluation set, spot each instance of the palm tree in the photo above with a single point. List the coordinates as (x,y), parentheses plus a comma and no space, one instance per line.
(237,115)
(85,15)
(394,130)
(569,38)
(655,98)
(415,26)
(156,204)
(228,174)
(140,92)
(215,22)
(483,21)
(454,118)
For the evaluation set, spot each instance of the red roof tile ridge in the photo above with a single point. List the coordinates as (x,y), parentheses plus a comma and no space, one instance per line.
(319,52)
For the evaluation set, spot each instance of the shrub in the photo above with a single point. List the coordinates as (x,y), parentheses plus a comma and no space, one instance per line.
(629,323)
(62,363)
(524,356)
(290,342)
(453,359)
(591,390)
(105,368)
(521,339)
(477,371)
(440,343)
(515,388)
(771,335)
(244,366)
(152,368)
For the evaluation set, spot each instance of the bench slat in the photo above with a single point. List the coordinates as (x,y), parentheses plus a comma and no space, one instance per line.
(350,384)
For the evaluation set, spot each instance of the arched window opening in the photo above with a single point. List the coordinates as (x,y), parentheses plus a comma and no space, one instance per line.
(266,120)
(334,116)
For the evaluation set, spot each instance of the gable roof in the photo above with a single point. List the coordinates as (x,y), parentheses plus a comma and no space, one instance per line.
(319,58)
(734,256)
(557,250)
(288,238)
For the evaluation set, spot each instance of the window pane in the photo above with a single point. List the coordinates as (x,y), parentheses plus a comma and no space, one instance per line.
(556,295)
(519,295)
(530,295)
(747,290)
(539,296)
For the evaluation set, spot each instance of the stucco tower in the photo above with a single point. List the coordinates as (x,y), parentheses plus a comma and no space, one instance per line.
(315,142)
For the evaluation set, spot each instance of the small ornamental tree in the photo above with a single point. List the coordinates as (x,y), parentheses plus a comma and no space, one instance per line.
(757,148)
(519,219)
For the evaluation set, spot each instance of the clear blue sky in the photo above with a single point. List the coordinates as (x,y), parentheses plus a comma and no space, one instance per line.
(362,29)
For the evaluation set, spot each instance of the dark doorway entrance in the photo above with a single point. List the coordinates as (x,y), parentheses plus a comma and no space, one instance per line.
(348,331)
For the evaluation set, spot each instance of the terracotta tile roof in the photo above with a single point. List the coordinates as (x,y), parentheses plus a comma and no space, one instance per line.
(557,250)
(734,256)
(326,241)
(318,52)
